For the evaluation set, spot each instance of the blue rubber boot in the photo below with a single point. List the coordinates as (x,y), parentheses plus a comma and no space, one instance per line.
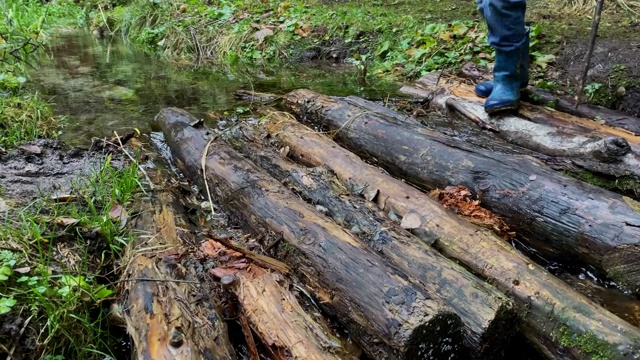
(506,82)
(484,89)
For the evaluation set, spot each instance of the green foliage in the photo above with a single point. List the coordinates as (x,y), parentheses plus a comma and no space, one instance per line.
(61,291)
(377,39)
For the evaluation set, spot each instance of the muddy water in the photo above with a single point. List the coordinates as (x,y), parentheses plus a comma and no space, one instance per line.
(106,85)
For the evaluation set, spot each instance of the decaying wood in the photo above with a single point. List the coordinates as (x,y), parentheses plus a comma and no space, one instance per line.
(486,313)
(390,317)
(548,306)
(163,318)
(271,310)
(609,155)
(555,214)
(253,96)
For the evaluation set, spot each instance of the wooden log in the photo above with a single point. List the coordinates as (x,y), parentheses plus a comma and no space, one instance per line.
(163,316)
(390,317)
(487,314)
(565,104)
(609,155)
(554,315)
(274,313)
(559,216)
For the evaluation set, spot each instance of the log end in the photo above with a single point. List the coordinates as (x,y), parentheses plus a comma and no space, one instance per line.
(623,266)
(440,338)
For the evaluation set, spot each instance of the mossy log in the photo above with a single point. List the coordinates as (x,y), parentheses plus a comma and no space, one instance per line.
(559,216)
(487,314)
(548,306)
(163,316)
(607,154)
(390,317)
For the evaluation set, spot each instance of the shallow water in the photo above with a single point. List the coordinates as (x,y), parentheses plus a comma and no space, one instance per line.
(103,85)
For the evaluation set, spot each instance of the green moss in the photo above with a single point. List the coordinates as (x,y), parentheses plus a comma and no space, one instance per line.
(587,343)
(627,185)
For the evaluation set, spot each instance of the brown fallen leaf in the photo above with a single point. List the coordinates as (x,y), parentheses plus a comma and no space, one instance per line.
(223,271)
(66,221)
(34,149)
(22,270)
(411,221)
(117,212)
(261,34)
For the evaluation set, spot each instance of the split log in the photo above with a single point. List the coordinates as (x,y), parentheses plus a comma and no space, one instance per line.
(548,306)
(609,155)
(557,215)
(387,315)
(164,318)
(274,313)
(486,313)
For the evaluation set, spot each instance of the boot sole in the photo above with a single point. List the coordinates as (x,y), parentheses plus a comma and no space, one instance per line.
(500,109)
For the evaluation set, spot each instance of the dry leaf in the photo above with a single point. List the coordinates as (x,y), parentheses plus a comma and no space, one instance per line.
(23,270)
(411,221)
(261,34)
(223,271)
(66,221)
(31,148)
(63,198)
(117,212)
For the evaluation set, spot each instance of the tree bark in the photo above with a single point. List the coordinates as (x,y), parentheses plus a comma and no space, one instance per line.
(164,318)
(387,315)
(548,306)
(559,216)
(487,314)
(609,155)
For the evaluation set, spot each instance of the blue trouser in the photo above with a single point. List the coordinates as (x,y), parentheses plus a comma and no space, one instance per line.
(505,22)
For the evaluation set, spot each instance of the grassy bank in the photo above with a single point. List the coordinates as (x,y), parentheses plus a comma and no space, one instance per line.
(401,40)
(56,256)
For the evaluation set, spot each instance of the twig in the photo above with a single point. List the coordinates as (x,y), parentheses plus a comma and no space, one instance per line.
(469,115)
(203,162)
(24,327)
(156,280)
(251,344)
(104,19)
(139,167)
(587,58)
(262,260)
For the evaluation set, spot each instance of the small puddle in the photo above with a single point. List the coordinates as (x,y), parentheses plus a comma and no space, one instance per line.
(102,85)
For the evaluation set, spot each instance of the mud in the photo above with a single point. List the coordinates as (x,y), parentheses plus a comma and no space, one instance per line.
(48,167)
(615,64)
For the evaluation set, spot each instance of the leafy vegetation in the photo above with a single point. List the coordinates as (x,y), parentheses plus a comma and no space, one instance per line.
(55,258)
(377,39)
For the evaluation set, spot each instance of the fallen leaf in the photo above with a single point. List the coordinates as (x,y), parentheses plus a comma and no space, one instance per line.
(66,221)
(22,270)
(411,221)
(63,198)
(261,34)
(223,271)
(117,212)
(34,149)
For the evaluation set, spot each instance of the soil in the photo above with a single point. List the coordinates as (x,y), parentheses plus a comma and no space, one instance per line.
(49,167)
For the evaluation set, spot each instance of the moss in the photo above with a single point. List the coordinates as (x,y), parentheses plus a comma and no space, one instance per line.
(626,185)
(587,343)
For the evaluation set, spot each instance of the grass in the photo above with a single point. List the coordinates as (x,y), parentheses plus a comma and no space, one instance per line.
(56,260)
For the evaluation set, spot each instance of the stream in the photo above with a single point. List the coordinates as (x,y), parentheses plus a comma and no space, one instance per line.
(105,85)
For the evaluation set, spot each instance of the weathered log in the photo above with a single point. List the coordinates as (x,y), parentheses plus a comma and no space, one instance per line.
(287,331)
(164,318)
(565,104)
(486,313)
(390,317)
(548,306)
(609,155)
(557,215)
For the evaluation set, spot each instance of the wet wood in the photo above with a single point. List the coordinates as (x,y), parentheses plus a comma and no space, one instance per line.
(605,154)
(164,318)
(486,313)
(280,321)
(559,216)
(548,305)
(390,317)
